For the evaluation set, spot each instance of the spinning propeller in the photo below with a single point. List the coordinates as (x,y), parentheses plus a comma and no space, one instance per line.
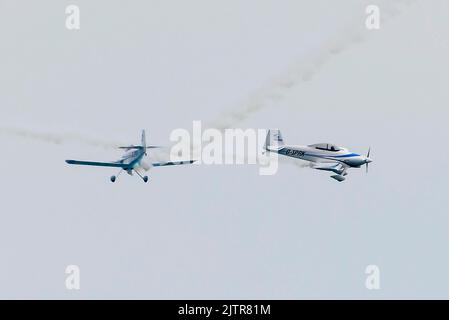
(368,160)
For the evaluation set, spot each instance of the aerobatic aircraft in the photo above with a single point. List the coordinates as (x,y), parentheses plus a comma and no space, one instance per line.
(322,156)
(131,161)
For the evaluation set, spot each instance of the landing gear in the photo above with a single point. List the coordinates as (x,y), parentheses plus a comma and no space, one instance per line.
(145,179)
(113,178)
(338,177)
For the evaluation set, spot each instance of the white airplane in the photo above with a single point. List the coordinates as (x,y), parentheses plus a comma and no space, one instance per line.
(132,161)
(323,156)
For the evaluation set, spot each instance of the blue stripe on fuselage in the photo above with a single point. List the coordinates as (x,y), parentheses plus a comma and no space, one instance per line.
(331,156)
(346,155)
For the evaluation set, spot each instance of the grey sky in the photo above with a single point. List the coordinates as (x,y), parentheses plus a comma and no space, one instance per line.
(224,231)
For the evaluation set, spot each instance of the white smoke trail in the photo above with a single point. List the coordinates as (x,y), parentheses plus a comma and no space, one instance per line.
(306,69)
(57,138)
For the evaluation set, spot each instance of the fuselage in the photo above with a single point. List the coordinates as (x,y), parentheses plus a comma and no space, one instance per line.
(316,154)
(132,158)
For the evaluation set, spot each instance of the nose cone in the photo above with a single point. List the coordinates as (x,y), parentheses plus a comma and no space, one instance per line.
(368,160)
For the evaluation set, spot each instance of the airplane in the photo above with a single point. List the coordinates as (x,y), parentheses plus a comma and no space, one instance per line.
(322,156)
(131,161)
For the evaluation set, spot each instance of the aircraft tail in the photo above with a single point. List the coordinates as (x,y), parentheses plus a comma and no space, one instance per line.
(144,140)
(274,139)
(143,144)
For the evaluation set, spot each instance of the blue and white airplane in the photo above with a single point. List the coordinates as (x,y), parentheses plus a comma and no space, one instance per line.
(132,161)
(323,156)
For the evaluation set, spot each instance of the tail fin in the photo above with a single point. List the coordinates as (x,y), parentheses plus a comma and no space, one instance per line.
(144,140)
(143,144)
(274,139)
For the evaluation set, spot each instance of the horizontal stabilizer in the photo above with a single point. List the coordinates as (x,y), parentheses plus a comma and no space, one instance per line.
(97,164)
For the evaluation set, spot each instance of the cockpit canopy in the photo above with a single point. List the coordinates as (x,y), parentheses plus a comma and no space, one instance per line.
(326,147)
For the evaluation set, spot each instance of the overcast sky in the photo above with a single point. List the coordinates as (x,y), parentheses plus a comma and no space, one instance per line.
(312,69)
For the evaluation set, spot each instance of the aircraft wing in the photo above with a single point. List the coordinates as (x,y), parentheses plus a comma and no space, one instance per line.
(172,163)
(138,147)
(336,167)
(97,164)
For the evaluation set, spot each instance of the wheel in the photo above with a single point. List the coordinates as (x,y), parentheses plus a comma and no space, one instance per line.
(113,179)
(145,179)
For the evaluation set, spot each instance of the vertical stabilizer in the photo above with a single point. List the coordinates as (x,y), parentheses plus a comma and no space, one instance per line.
(144,140)
(274,139)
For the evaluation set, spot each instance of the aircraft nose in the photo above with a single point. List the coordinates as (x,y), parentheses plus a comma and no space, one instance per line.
(368,160)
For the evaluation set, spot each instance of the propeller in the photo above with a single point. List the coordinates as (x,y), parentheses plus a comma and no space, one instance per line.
(367,156)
